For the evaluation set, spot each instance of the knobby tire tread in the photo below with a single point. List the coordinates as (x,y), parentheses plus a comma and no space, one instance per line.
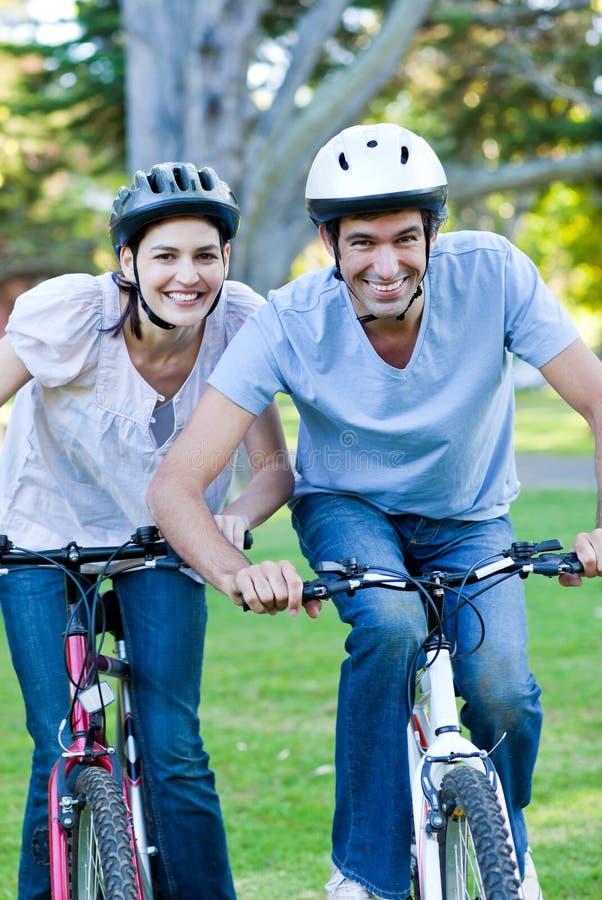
(110,839)
(468,792)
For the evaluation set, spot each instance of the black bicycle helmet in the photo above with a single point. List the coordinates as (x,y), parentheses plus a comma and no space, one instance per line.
(172,189)
(367,168)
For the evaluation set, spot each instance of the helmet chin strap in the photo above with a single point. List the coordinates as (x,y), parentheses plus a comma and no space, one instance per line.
(364,320)
(154,318)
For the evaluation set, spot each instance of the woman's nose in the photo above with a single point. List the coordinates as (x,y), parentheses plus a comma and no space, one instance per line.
(186,272)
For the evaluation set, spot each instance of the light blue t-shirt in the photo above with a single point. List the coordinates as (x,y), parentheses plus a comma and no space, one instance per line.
(434,438)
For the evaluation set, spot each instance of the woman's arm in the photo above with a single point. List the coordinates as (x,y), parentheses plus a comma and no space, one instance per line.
(13,374)
(271,484)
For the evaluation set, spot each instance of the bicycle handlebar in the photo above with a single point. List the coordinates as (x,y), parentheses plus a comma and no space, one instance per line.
(523,558)
(146,542)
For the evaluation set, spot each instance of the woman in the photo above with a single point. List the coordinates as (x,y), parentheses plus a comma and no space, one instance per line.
(108,370)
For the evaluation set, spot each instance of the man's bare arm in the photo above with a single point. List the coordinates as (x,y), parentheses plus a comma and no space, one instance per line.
(576,374)
(177,502)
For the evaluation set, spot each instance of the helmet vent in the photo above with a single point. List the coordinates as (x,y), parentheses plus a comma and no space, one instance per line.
(405,155)
(180,178)
(343,162)
(207,180)
(372,144)
(154,183)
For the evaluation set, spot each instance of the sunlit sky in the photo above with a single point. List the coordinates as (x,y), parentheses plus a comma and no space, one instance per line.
(50,10)
(48,22)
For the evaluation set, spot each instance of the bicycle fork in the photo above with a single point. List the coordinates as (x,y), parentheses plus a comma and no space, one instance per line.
(435,744)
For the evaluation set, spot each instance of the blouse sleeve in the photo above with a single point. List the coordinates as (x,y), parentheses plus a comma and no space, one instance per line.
(242,302)
(55,328)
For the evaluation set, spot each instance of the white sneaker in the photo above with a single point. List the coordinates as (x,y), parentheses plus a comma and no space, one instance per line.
(341,888)
(531,888)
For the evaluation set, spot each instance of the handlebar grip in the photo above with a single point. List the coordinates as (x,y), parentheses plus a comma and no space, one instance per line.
(248,541)
(324,590)
(555,564)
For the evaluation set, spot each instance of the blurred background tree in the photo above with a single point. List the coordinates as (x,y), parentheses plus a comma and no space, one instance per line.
(508,91)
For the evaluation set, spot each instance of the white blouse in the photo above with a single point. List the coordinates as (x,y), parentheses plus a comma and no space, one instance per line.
(79,451)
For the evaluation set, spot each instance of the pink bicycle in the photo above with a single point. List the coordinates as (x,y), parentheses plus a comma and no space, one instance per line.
(97,825)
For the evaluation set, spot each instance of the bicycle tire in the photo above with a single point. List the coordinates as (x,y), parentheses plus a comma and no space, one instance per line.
(101,865)
(475,851)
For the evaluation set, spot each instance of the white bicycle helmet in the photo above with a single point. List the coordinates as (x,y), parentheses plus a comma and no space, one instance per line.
(372,167)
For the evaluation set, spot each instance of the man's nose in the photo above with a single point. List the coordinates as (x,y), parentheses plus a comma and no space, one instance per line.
(386,261)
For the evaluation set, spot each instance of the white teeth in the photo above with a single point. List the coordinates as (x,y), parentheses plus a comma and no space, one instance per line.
(183,298)
(387,288)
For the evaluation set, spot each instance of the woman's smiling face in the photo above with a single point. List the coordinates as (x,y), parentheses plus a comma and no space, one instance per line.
(181,267)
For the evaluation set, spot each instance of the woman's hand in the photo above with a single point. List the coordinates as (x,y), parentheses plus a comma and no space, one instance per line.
(233,528)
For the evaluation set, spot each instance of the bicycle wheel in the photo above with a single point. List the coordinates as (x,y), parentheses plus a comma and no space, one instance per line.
(102,866)
(475,851)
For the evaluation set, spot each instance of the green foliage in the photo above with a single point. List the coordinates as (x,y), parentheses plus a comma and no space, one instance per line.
(561,236)
(75,91)
(523,81)
(61,107)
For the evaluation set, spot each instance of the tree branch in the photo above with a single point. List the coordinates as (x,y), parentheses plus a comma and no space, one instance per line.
(466,183)
(337,102)
(321,19)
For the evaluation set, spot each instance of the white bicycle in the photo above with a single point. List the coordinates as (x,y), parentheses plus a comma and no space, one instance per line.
(463,842)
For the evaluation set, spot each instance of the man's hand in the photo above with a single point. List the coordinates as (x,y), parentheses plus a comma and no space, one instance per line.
(269,587)
(588,547)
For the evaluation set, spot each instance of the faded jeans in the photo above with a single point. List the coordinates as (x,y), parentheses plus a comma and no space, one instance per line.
(372,825)
(165,617)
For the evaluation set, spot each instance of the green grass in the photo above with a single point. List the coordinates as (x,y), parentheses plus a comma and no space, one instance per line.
(268,720)
(544,423)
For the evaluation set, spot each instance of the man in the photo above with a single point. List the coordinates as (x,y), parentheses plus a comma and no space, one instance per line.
(398,359)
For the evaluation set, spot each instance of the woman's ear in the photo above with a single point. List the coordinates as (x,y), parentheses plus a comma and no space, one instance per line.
(126,261)
(226,255)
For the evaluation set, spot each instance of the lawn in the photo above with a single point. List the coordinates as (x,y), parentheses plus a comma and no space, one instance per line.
(268,718)
(544,423)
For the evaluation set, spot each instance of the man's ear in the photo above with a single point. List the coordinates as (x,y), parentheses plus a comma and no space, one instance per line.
(327,240)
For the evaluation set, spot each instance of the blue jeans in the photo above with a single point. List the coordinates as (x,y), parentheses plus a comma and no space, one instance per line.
(372,825)
(164,616)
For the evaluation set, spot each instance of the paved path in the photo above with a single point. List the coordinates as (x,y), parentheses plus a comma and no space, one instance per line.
(541,470)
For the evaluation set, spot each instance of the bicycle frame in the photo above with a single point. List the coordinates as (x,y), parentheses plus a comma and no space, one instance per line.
(122,762)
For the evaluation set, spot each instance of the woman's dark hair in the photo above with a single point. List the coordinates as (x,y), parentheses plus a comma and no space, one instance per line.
(131,313)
